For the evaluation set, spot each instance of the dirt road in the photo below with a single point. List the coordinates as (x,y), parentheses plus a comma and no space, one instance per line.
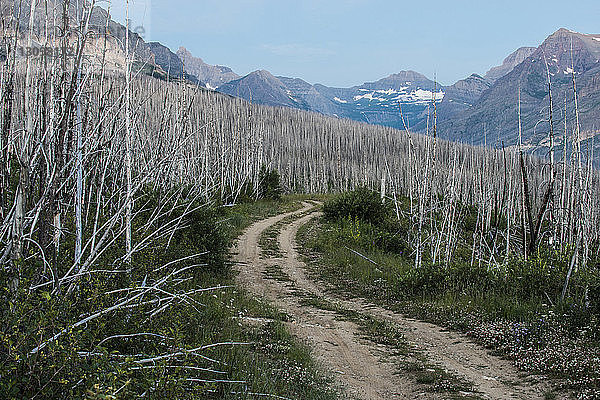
(364,369)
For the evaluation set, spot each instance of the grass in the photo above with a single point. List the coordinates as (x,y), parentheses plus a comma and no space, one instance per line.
(504,310)
(274,271)
(268,238)
(272,363)
(250,355)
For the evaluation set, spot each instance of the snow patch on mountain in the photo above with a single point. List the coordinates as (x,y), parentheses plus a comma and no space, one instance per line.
(291,95)
(420,96)
(416,96)
(390,91)
(368,96)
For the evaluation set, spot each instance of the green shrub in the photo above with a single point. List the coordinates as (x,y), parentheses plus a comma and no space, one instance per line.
(429,280)
(392,237)
(269,184)
(362,203)
(593,296)
(203,233)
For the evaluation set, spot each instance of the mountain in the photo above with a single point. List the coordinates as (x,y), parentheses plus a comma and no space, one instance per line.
(509,63)
(372,102)
(261,87)
(309,97)
(378,102)
(105,41)
(466,92)
(100,25)
(476,109)
(462,95)
(212,75)
(167,60)
(495,113)
(170,63)
(105,38)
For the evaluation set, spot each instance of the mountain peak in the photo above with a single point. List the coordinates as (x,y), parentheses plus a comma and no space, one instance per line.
(563,31)
(406,72)
(564,34)
(183,53)
(260,87)
(509,63)
(262,74)
(559,47)
(401,80)
(407,75)
(569,32)
(213,75)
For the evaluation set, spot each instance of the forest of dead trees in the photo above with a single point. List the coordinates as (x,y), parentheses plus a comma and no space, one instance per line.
(82,145)
(80,142)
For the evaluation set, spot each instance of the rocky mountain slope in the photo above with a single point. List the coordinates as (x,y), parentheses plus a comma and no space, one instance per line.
(170,63)
(104,43)
(496,113)
(460,97)
(261,87)
(509,63)
(378,102)
(212,75)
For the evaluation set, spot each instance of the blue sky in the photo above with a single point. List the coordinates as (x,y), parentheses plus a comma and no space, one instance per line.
(348,42)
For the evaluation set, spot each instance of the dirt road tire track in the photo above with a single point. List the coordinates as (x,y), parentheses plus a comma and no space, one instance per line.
(358,364)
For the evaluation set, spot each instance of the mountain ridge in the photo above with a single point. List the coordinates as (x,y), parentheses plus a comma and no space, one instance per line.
(510,62)
(496,112)
(213,75)
(372,102)
(470,110)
